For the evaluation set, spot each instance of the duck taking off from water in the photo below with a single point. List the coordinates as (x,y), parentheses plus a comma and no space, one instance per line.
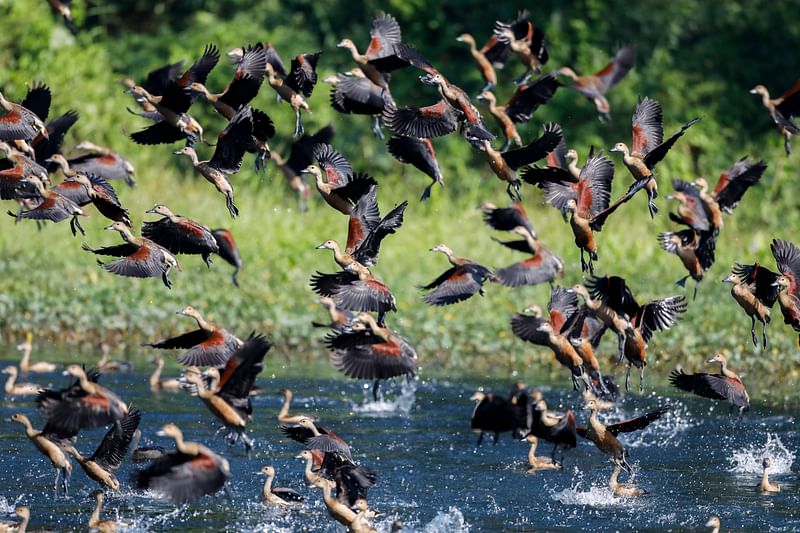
(47,444)
(623,490)
(209,345)
(536,464)
(727,385)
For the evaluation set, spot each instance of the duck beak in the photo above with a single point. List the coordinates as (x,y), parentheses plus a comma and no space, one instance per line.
(752,91)
(111,227)
(306,170)
(152,210)
(340,44)
(321,246)
(727,280)
(712,360)
(298,456)
(614,149)
(179,152)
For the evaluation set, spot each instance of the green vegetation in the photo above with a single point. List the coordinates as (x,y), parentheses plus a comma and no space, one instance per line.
(697,58)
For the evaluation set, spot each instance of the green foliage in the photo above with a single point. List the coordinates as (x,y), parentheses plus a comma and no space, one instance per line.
(697,58)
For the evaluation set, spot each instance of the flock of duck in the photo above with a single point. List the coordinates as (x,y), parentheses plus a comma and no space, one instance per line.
(221,368)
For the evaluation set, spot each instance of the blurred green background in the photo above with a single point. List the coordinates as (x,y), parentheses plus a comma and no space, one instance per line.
(697,58)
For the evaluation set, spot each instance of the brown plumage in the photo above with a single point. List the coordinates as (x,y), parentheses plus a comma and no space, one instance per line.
(51,206)
(543,265)
(726,385)
(104,162)
(49,449)
(481,61)
(460,282)
(755,289)
(782,110)
(180,235)
(356,290)
(787,257)
(229,251)
(209,345)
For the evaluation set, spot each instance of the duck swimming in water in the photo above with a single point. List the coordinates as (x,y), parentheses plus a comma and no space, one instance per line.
(766,486)
(622,490)
(539,463)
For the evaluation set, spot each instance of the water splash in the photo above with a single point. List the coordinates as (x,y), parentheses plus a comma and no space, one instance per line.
(748,460)
(5,507)
(450,521)
(666,431)
(399,405)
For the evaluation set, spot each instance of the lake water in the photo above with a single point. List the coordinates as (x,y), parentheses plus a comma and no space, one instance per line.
(695,461)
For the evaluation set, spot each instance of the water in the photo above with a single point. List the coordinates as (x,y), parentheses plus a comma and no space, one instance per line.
(694,462)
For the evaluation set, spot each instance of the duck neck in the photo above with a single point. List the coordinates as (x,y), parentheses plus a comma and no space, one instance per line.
(532,453)
(126,235)
(764,100)
(287,402)
(86,385)
(723,369)
(95,518)
(12,377)
(26,355)
(267,490)
(76,454)
(201,322)
(765,479)
(5,103)
(612,482)
(573,168)
(450,257)
(376,329)
(310,475)
(155,377)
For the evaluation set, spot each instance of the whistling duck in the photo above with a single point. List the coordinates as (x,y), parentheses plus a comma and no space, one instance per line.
(505,164)
(375,352)
(419,153)
(318,438)
(300,157)
(251,67)
(714,524)
(283,415)
(455,97)
(726,385)
(641,320)
(564,352)
(189,472)
(83,189)
(338,511)
(587,202)
(594,86)
(280,496)
(527,42)
(62,8)
(484,65)
(782,110)
(49,449)
(584,333)
(209,345)
(109,366)
(171,122)
(352,93)
(83,405)
(380,56)
(536,464)
(503,120)
(766,486)
(313,459)
(356,290)
(229,399)
(755,290)
(543,267)
(18,389)
(494,414)
(109,454)
(732,185)
(45,147)
(95,524)
(103,162)
(14,182)
(787,256)
(685,244)
(180,235)
(53,207)
(340,318)
(549,426)
(158,384)
(605,437)
(139,257)
(460,282)
(608,316)
(648,147)
(341,188)
(228,251)
(296,86)
(17,527)
(529,96)
(21,123)
(25,365)
(227,158)
(506,218)
(623,490)
(37,101)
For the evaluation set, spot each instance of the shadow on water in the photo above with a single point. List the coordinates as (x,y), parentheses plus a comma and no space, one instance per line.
(695,461)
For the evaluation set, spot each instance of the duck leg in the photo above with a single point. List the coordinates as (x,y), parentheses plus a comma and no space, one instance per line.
(764,332)
(166,280)
(592,258)
(298,125)
(207,259)
(628,379)
(584,264)
(651,206)
(65,481)
(248,443)
(786,144)
(621,347)
(506,145)
(488,87)
(234,277)
(496,438)
(641,380)
(753,331)
(427,192)
(480,439)
(375,389)
(58,481)
(695,291)
(524,78)
(232,209)
(376,127)
(603,387)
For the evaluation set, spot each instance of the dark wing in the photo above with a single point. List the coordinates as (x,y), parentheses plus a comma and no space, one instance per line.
(114,446)
(526,328)
(118,250)
(298,433)
(351,94)
(364,217)
(176,97)
(303,74)
(618,68)
(159,133)
(657,154)
(659,315)
(763,279)
(239,374)
(56,131)
(594,185)
(227,247)
(635,424)
(356,188)
(38,100)
(367,251)
(158,79)
(183,237)
(714,386)
(423,122)
(562,305)
(789,105)
(529,97)
(539,176)
(328,284)
(787,256)
(507,218)
(456,284)
(384,34)
(535,150)
(241,91)
(541,268)
(233,141)
(735,181)
(368,295)
(146,262)
(182,478)
(186,340)
(520,245)
(336,167)
(380,360)
(648,126)
(614,292)
(198,72)
(416,152)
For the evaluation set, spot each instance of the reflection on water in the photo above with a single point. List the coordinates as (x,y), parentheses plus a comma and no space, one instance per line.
(693,462)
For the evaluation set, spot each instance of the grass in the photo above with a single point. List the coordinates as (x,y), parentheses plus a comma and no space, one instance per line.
(49,286)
